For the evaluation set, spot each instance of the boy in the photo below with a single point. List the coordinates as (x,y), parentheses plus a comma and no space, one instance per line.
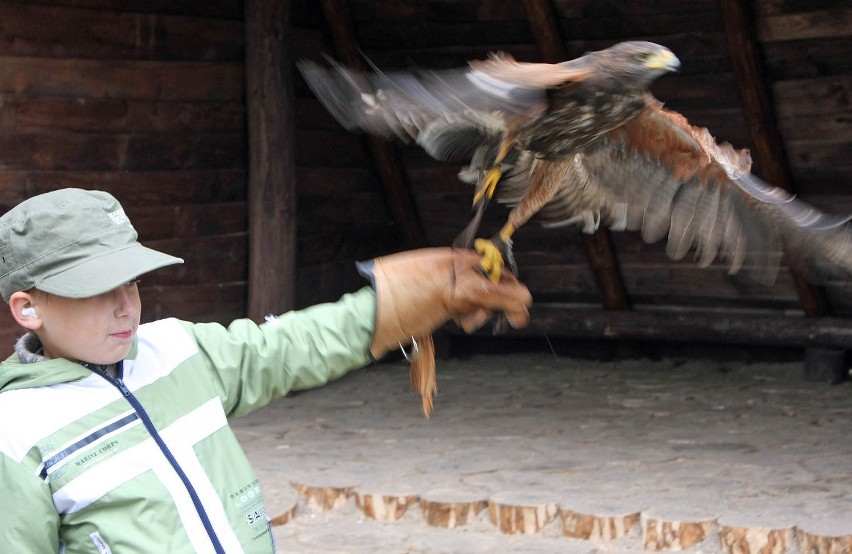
(114,435)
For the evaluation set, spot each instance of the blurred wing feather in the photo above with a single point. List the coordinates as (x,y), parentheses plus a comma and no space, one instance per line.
(661,176)
(447,112)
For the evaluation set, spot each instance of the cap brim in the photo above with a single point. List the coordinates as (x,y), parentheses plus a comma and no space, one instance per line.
(105,273)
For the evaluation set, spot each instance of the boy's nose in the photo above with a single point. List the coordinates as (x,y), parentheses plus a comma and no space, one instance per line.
(125,301)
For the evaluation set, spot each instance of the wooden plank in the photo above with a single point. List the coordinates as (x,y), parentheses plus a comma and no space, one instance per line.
(357,244)
(224,9)
(94,152)
(326,282)
(26,114)
(207,260)
(191,220)
(145,80)
(446,56)
(827,181)
(397,11)
(423,34)
(829,23)
(614,8)
(220,303)
(330,181)
(804,59)
(342,212)
(688,326)
(331,148)
(59,32)
(668,284)
(132,187)
(766,8)
(819,154)
(823,95)
(835,127)
(272,158)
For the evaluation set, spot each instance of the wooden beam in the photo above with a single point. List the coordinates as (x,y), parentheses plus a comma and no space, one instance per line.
(598,247)
(561,321)
(271,159)
(388,165)
(757,109)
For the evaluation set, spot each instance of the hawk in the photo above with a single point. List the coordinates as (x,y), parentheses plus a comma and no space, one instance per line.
(584,142)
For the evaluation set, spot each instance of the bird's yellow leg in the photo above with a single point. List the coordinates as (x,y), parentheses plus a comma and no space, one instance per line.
(489,182)
(492,257)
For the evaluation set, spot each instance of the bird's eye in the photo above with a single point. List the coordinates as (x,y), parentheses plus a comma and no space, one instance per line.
(643,56)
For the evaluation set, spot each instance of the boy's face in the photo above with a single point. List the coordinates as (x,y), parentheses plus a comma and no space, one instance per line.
(97,330)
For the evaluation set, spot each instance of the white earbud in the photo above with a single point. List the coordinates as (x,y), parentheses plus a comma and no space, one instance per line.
(29,312)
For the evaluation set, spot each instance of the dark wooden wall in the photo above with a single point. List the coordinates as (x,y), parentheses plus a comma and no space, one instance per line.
(148,102)
(147,105)
(804,70)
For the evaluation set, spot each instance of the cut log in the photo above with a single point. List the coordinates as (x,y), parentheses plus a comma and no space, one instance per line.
(283,517)
(596,527)
(519,513)
(384,507)
(755,540)
(321,498)
(668,534)
(279,498)
(816,543)
(450,508)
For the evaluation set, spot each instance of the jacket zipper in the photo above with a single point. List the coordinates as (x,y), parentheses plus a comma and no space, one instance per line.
(149,425)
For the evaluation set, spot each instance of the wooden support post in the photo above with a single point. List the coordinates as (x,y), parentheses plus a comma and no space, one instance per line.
(272,167)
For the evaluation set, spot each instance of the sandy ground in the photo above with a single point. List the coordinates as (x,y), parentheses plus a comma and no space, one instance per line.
(753,446)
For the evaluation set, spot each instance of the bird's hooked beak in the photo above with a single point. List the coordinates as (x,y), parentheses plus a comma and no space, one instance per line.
(664,60)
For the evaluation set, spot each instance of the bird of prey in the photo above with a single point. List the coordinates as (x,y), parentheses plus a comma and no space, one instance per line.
(584,142)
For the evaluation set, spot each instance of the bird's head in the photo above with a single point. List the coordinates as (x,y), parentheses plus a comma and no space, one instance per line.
(637,63)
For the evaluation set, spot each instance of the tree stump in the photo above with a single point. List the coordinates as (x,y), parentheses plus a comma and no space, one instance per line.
(281,501)
(817,543)
(384,507)
(596,527)
(755,540)
(668,534)
(451,508)
(322,498)
(519,513)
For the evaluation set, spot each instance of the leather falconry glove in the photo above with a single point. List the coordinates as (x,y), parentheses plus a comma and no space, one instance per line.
(419,290)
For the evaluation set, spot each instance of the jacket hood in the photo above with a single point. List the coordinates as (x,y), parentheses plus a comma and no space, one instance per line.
(15,374)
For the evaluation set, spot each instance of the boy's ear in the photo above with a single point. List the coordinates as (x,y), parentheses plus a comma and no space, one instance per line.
(22,306)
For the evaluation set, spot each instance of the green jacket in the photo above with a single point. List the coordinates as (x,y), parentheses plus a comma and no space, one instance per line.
(147,462)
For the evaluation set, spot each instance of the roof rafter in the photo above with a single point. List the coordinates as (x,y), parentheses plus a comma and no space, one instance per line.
(598,247)
(757,109)
(394,182)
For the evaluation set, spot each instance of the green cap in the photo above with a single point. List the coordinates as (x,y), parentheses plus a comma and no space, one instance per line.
(71,242)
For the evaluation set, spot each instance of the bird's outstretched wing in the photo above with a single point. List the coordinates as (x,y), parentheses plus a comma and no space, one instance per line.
(665,178)
(447,112)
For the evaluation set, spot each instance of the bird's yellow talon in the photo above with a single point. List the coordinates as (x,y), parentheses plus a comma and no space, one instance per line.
(489,184)
(491,261)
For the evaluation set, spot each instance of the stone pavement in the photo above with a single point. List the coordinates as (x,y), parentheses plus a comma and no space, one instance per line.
(539,453)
